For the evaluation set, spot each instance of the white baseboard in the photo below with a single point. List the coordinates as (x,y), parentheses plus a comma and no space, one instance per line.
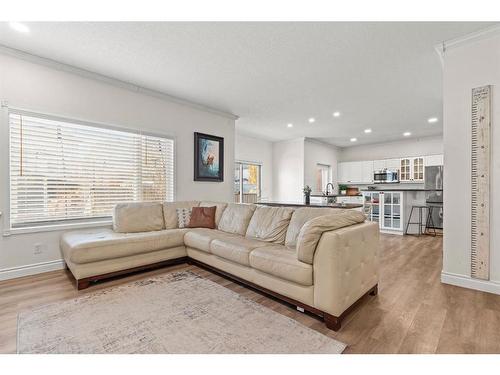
(468,282)
(31,269)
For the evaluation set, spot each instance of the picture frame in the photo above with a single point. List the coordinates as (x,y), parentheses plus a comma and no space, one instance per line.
(208,158)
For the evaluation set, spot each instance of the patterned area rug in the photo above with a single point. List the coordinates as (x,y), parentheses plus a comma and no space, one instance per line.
(175,313)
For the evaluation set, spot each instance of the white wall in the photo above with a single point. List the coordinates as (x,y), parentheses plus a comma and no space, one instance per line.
(319,153)
(40,88)
(288,170)
(408,147)
(261,151)
(466,66)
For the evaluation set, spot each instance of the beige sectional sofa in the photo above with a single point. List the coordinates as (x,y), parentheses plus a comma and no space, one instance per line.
(322,260)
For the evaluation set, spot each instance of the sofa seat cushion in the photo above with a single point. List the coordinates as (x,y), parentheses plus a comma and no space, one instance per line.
(236,249)
(200,238)
(282,262)
(96,245)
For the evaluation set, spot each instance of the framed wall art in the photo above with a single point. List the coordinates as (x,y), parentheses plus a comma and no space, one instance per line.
(208,157)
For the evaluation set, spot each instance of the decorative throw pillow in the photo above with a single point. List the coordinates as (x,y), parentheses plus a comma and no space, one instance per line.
(202,217)
(183,217)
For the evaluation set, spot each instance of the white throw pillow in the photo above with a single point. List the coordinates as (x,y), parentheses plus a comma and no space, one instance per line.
(183,217)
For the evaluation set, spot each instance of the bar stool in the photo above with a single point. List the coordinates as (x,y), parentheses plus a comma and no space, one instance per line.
(428,222)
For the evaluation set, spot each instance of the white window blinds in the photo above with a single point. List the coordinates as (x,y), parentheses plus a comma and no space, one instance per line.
(62,170)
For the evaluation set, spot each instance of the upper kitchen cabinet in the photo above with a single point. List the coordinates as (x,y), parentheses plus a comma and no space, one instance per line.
(411,169)
(367,172)
(379,165)
(350,172)
(391,164)
(355,172)
(433,160)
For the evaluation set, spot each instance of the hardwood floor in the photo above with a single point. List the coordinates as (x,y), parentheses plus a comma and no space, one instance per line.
(413,312)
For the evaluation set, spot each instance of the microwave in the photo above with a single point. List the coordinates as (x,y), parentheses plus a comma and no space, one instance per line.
(385,177)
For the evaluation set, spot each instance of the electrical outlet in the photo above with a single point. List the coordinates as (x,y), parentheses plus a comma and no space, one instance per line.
(39,248)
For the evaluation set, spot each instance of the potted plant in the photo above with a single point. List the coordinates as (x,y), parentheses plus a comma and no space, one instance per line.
(307,194)
(342,189)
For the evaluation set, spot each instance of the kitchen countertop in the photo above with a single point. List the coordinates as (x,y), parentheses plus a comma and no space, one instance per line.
(335,195)
(299,204)
(396,189)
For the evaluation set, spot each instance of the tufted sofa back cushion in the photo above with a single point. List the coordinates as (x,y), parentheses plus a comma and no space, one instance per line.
(236,217)
(220,207)
(300,217)
(170,212)
(312,231)
(269,224)
(138,217)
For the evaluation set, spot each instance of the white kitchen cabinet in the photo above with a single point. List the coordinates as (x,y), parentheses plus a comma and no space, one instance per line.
(433,160)
(341,172)
(391,164)
(392,211)
(367,172)
(372,199)
(412,169)
(418,169)
(405,170)
(318,200)
(350,172)
(387,209)
(355,199)
(378,165)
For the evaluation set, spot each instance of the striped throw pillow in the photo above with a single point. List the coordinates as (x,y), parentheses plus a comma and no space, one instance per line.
(183,217)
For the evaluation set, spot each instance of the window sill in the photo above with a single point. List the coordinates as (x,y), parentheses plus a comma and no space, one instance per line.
(57,227)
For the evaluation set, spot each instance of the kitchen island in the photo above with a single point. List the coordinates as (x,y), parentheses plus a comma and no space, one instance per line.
(391,207)
(349,206)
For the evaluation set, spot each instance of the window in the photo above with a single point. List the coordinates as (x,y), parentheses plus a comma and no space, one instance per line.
(322,176)
(247,182)
(64,170)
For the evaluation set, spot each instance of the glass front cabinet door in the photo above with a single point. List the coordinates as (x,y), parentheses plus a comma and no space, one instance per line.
(412,170)
(372,205)
(391,218)
(418,169)
(404,170)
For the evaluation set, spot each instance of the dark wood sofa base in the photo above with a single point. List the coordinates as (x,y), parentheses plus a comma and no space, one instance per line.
(332,322)
(85,282)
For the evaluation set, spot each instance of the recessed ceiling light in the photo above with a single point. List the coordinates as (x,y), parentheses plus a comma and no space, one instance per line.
(336,114)
(432,120)
(290,125)
(406,134)
(311,120)
(354,139)
(20,27)
(367,131)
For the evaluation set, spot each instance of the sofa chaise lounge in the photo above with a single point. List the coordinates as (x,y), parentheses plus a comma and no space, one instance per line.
(323,260)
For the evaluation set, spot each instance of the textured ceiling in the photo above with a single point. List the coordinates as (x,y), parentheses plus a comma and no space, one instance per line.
(383,76)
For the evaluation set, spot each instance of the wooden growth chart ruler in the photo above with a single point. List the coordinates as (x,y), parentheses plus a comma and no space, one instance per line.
(480,208)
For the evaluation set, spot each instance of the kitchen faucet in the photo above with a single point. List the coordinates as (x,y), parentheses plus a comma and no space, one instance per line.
(327,185)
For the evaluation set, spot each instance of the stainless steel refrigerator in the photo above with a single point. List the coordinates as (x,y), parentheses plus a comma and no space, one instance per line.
(434,197)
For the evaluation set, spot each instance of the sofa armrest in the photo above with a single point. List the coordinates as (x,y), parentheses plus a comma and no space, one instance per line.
(345,266)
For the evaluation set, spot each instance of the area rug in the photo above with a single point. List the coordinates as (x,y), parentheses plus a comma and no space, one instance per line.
(176,313)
